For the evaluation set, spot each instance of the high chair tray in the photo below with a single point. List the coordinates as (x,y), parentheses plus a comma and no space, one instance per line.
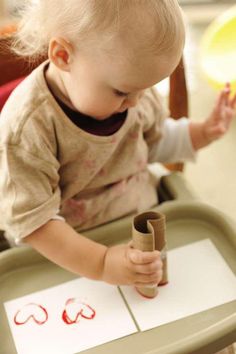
(24,271)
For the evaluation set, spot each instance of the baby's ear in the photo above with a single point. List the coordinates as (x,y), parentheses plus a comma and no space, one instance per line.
(60,53)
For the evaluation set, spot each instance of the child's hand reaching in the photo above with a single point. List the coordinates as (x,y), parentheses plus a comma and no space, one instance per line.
(218,122)
(124,265)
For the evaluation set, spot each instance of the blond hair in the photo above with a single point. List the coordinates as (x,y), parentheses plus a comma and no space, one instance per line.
(154,25)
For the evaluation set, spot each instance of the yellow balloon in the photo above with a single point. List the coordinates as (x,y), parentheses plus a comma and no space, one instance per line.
(218,50)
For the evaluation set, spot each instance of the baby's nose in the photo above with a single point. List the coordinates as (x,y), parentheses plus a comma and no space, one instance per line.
(132,100)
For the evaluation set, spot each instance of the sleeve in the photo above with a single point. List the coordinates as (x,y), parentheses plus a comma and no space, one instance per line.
(175,143)
(29,191)
(153,113)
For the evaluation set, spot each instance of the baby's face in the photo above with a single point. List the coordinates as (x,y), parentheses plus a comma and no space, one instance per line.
(100,85)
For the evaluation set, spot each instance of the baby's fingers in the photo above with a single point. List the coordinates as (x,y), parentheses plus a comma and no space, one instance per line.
(223,98)
(148,279)
(148,268)
(139,257)
(232,102)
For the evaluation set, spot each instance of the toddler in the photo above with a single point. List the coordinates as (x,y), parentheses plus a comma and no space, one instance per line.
(77,134)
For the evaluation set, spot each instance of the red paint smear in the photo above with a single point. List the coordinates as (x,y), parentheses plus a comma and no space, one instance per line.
(31,316)
(70,321)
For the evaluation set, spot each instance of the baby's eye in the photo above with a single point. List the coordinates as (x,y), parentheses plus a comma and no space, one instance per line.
(120,93)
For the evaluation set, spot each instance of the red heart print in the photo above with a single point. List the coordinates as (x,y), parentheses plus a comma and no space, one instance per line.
(29,312)
(74,309)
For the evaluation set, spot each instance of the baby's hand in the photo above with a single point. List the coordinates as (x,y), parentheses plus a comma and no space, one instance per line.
(218,123)
(124,265)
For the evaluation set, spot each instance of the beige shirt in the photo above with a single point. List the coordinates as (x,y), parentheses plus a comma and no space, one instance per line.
(51,167)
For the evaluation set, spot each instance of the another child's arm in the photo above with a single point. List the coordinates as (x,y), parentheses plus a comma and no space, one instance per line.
(120,265)
(218,122)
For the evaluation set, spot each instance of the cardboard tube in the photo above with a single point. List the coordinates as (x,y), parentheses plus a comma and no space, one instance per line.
(148,233)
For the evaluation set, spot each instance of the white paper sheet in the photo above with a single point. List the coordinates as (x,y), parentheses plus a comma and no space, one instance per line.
(97,308)
(199,279)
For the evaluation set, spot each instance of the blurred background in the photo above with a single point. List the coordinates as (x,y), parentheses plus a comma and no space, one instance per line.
(213,175)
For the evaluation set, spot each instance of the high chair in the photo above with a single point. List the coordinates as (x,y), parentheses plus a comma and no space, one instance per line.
(23,270)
